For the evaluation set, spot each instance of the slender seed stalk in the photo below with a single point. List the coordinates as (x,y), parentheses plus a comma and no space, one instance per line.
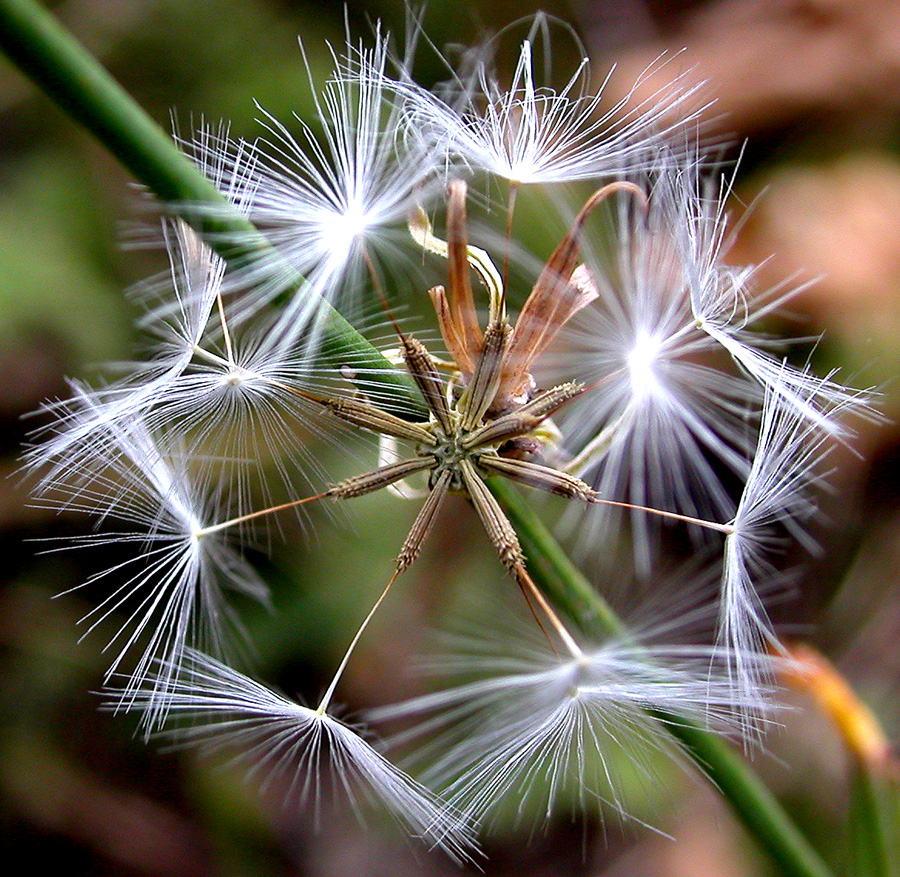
(250,516)
(211,358)
(554,619)
(727,529)
(510,212)
(329,692)
(226,332)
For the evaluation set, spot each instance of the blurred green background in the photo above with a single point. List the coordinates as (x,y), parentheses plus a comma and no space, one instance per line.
(813,84)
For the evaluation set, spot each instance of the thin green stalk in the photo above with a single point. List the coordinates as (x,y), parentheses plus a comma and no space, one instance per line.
(870,817)
(46,52)
(752,802)
(757,808)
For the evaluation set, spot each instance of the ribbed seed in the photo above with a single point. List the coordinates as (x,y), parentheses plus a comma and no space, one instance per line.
(498,528)
(376,420)
(480,392)
(421,368)
(541,477)
(381,477)
(424,521)
(500,430)
(524,419)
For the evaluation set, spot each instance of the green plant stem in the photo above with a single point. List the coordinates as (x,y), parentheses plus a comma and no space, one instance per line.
(74,79)
(756,807)
(871,810)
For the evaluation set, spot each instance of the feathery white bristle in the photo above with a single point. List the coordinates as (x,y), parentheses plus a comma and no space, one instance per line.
(775,501)
(326,202)
(170,591)
(222,709)
(530,132)
(546,733)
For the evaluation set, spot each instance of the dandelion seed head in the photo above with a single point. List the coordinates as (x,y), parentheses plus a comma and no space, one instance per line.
(530,132)
(633,363)
(322,197)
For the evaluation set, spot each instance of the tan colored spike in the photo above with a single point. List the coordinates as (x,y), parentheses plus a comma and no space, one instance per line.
(424,521)
(378,421)
(421,368)
(368,482)
(541,477)
(498,527)
(483,387)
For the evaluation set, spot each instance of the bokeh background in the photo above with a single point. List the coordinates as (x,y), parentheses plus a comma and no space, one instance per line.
(808,90)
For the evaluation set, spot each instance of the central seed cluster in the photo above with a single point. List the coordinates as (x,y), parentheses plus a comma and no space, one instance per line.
(449,454)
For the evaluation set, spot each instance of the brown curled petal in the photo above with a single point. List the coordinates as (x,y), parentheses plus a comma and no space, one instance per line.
(479,260)
(424,521)
(541,328)
(359,485)
(462,302)
(378,421)
(581,291)
(486,378)
(455,345)
(421,368)
(541,477)
(560,292)
(498,527)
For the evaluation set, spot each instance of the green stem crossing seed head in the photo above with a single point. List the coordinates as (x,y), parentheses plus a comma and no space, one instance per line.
(469,435)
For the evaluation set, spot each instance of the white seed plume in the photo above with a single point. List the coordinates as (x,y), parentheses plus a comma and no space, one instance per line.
(329,203)
(725,307)
(221,709)
(547,734)
(529,132)
(633,362)
(92,416)
(775,501)
(170,592)
(659,416)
